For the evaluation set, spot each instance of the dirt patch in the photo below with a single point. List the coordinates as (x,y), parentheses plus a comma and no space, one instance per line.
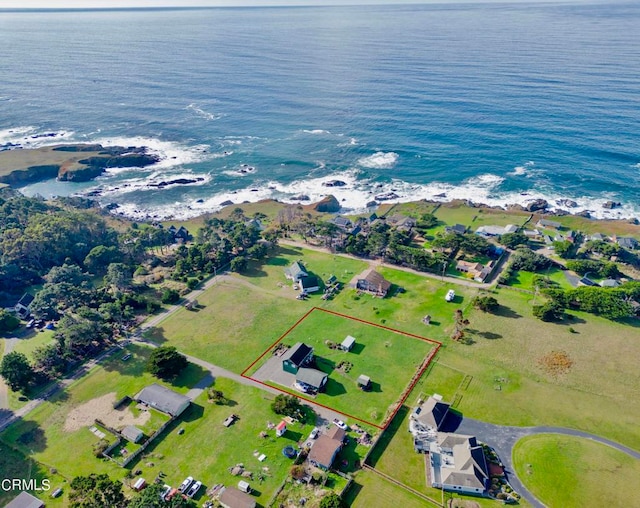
(556,363)
(102,408)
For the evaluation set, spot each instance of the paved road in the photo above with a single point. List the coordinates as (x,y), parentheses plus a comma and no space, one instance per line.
(503,439)
(325,416)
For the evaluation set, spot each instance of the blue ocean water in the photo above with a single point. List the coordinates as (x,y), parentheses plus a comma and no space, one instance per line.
(495,103)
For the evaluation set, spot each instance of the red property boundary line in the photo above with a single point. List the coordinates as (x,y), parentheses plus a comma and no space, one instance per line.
(405,394)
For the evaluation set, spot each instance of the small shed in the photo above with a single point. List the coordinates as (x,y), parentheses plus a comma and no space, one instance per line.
(364,382)
(132,433)
(281,428)
(348,343)
(140,484)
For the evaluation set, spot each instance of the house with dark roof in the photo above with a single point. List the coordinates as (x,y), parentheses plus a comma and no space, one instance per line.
(23,307)
(342,222)
(456,228)
(309,284)
(311,379)
(545,223)
(164,400)
(295,272)
(25,500)
(297,356)
(324,451)
(457,463)
(230,497)
(627,242)
(374,283)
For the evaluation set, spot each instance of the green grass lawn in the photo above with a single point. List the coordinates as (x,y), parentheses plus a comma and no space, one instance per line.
(573,472)
(206,450)
(524,280)
(368,490)
(509,386)
(507,383)
(389,358)
(42,435)
(270,274)
(32,341)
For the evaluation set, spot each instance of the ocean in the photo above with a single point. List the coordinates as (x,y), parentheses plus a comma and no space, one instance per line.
(494,103)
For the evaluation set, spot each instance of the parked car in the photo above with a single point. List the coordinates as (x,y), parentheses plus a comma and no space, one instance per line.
(315,433)
(451,294)
(165,492)
(194,489)
(185,484)
(340,424)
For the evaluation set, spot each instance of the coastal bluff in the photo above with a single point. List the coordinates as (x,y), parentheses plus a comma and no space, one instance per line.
(74,163)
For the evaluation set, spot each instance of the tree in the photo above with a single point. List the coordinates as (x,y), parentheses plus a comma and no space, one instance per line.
(332,500)
(513,240)
(17,371)
(170,296)
(550,311)
(216,396)
(238,264)
(8,321)
(297,472)
(564,248)
(69,274)
(529,261)
(96,491)
(485,303)
(100,257)
(287,405)
(166,362)
(460,324)
(150,498)
(119,276)
(49,358)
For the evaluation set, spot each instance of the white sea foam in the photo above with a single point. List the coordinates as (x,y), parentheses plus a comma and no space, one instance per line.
(32,137)
(379,160)
(171,154)
(523,170)
(357,193)
(316,131)
(207,115)
(158,180)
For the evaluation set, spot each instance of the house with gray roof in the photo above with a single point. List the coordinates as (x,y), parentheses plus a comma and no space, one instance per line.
(457,463)
(627,242)
(425,421)
(295,272)
(545,223)
(25,500)
(313,379)
(164,400)
(132,433)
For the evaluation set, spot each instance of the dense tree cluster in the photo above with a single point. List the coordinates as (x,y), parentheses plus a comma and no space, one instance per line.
(593,267)
(514,240)
(286,405)
(166,362)
(96,491)
(529,261)
(612,303)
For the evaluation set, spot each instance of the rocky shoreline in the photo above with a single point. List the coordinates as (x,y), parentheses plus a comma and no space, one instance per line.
(73,163)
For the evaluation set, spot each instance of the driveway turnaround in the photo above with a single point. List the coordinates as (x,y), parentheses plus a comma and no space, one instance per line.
(503,438)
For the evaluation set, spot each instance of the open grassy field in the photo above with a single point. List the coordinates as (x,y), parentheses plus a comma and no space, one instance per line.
(524,280)
(369,490)
(573,472)
(46,433)
(389,358)
(206,450)
(510,385)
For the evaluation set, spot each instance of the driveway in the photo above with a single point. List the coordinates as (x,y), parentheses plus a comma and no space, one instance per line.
(503,438)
